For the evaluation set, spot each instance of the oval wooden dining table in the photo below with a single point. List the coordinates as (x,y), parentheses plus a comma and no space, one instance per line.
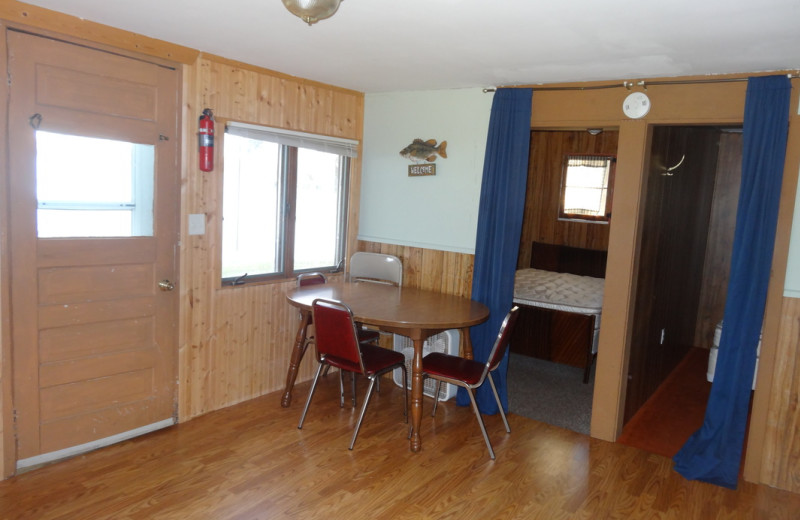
(414,313)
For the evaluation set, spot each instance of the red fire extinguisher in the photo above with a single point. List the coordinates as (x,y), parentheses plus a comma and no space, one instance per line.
(206,140)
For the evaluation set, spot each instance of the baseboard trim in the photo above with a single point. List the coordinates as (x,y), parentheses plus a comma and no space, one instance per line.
(45,458)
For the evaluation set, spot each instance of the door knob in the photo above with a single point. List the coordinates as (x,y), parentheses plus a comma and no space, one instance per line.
(166,285)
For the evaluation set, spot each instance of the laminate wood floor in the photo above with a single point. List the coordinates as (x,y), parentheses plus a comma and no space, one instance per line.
(250,461)
(675,411)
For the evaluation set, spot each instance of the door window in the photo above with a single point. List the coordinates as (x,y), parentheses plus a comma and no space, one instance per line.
(90,187)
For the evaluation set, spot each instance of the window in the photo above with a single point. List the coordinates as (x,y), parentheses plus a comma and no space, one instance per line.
(90,187)
(587,186)
(284,202)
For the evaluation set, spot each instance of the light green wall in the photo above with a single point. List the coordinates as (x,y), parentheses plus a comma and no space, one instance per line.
(434,212)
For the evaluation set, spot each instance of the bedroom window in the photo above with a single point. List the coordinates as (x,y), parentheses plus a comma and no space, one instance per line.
(284,202)
(587,186)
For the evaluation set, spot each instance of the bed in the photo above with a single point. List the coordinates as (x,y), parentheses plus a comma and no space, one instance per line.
(561,299)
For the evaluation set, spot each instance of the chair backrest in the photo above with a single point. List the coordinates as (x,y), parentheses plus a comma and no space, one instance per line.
(376,267)
(503,340)
(305,279)
(335,331)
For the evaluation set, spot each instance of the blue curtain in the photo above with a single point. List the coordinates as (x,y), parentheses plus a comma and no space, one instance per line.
(505,176)
(713,454)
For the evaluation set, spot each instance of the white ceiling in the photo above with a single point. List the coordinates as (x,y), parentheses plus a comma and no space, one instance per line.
(399,45)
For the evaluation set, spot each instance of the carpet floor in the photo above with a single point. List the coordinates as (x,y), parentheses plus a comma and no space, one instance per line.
(551,393)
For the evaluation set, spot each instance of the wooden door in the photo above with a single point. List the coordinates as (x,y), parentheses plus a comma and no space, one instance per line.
(94,337)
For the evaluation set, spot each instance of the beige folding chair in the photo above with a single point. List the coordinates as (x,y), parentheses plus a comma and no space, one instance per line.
(376,267)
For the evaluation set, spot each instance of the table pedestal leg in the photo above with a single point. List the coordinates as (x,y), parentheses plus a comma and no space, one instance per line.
(466,343)
(298,352)
(416,395)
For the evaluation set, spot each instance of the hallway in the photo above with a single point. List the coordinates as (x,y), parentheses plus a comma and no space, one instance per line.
(675,411)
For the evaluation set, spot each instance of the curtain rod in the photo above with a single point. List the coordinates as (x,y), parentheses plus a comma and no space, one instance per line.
(641,83)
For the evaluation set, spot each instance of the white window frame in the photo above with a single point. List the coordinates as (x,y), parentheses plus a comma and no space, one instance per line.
(609,162)
(290,140)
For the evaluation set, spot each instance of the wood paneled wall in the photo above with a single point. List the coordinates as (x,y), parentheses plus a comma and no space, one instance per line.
(781,467)
(235,341)
(433,270)
(720,238)
(442,271)
(541,223)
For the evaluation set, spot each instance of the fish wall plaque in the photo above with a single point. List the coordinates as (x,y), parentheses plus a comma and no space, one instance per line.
(420,151)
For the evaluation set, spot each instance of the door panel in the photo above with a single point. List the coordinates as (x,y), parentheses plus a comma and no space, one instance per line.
(97,252)
(67,284)
(74,370)
(61,344)
(91,93)
(95,312)
(94,338)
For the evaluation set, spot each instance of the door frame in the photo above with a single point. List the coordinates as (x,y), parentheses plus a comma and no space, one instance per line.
(9,456)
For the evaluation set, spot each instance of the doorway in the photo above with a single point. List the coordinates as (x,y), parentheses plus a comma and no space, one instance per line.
(687,237)
(549,348)
(93,204)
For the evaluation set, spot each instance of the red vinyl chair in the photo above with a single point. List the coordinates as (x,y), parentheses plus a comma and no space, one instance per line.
(470,374)
(304,279)
(337,345)
(364,335)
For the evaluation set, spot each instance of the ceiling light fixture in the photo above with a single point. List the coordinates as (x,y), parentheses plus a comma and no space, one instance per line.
(312,11)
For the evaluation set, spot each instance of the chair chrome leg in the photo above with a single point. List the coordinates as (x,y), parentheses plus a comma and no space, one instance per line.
(353,384)
(436,397)
(310,395)
(499,404)
(341,389)
(480,422)
(363,411)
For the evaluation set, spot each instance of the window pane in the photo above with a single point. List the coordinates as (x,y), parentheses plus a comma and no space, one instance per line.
(252,191)
(81,182)
(95,223)
(586,186)
(319,206)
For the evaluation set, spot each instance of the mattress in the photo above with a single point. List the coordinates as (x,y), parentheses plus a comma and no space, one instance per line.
(563,292)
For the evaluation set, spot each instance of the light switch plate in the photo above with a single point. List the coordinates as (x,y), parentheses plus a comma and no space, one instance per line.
(197,224)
